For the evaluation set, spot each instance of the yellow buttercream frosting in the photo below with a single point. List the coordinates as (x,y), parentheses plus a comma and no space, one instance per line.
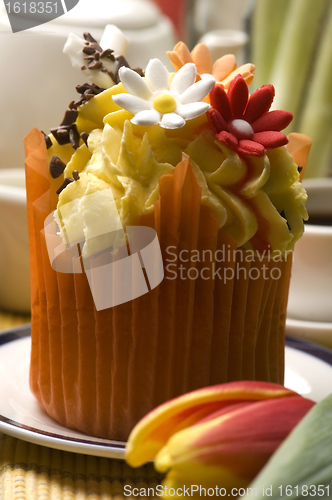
(258,200)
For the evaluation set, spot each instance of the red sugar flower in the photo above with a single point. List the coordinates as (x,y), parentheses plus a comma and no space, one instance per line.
(245,123)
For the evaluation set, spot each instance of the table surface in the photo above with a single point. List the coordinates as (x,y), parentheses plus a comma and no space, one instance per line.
(10,320)
(33,472)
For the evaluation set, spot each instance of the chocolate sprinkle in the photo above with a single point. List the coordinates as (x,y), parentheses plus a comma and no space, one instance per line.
(47,141)
(88,87)
(84,136)
(62,132)
(122,61)
(93,64)
(72,105)
(88,37)
(65,183)
(57,167)
(89,50)
(88,91)
(76,175)
(95,54)
(66,134)
(139,71)
(70,117)
(74,138)
(106,53)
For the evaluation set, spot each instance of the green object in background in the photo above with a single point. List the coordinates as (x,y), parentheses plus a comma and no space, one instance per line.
(291,46)
(294,53)
(267,20)
(302,465)
(317,111)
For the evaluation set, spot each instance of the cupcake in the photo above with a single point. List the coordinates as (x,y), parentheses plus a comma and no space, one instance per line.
(163,212)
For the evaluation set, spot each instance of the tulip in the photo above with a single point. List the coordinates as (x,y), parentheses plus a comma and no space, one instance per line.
(217,436)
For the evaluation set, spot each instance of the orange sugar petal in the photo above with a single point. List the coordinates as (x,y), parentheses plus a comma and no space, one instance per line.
(223,67)
(175,60)
(184,53)
(246,70)
(299,147)
(202,58)
(248,78)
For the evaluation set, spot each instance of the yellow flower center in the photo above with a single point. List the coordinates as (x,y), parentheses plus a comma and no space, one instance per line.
(164,103)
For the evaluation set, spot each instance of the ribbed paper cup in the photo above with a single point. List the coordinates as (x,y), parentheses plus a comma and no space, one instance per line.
(206,323)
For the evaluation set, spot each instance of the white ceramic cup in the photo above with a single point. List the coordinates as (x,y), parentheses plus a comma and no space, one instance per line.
(14,248)
(39,85)
(310,295)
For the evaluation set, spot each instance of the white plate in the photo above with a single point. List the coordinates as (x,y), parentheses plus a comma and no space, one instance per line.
(308,371)
(21,415)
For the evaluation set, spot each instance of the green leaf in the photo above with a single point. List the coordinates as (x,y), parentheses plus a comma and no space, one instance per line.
(303,460)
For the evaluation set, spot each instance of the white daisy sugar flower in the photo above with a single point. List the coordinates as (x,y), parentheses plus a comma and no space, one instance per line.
(157,98)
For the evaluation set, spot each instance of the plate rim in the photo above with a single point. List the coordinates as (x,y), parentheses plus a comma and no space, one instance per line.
(316,350)
(108,448)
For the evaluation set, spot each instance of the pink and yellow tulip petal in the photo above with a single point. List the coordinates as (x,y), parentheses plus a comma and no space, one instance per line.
(154,430)
(229,449)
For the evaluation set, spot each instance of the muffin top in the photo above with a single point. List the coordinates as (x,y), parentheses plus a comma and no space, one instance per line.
(116,143)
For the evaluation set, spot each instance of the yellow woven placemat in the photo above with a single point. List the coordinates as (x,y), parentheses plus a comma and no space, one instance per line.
(10,320)
(32,472)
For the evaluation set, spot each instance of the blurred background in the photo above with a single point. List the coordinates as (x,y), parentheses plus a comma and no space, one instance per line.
(289,41)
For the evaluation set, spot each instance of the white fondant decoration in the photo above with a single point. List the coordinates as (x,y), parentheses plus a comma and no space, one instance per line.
(112,38)
(159,99)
